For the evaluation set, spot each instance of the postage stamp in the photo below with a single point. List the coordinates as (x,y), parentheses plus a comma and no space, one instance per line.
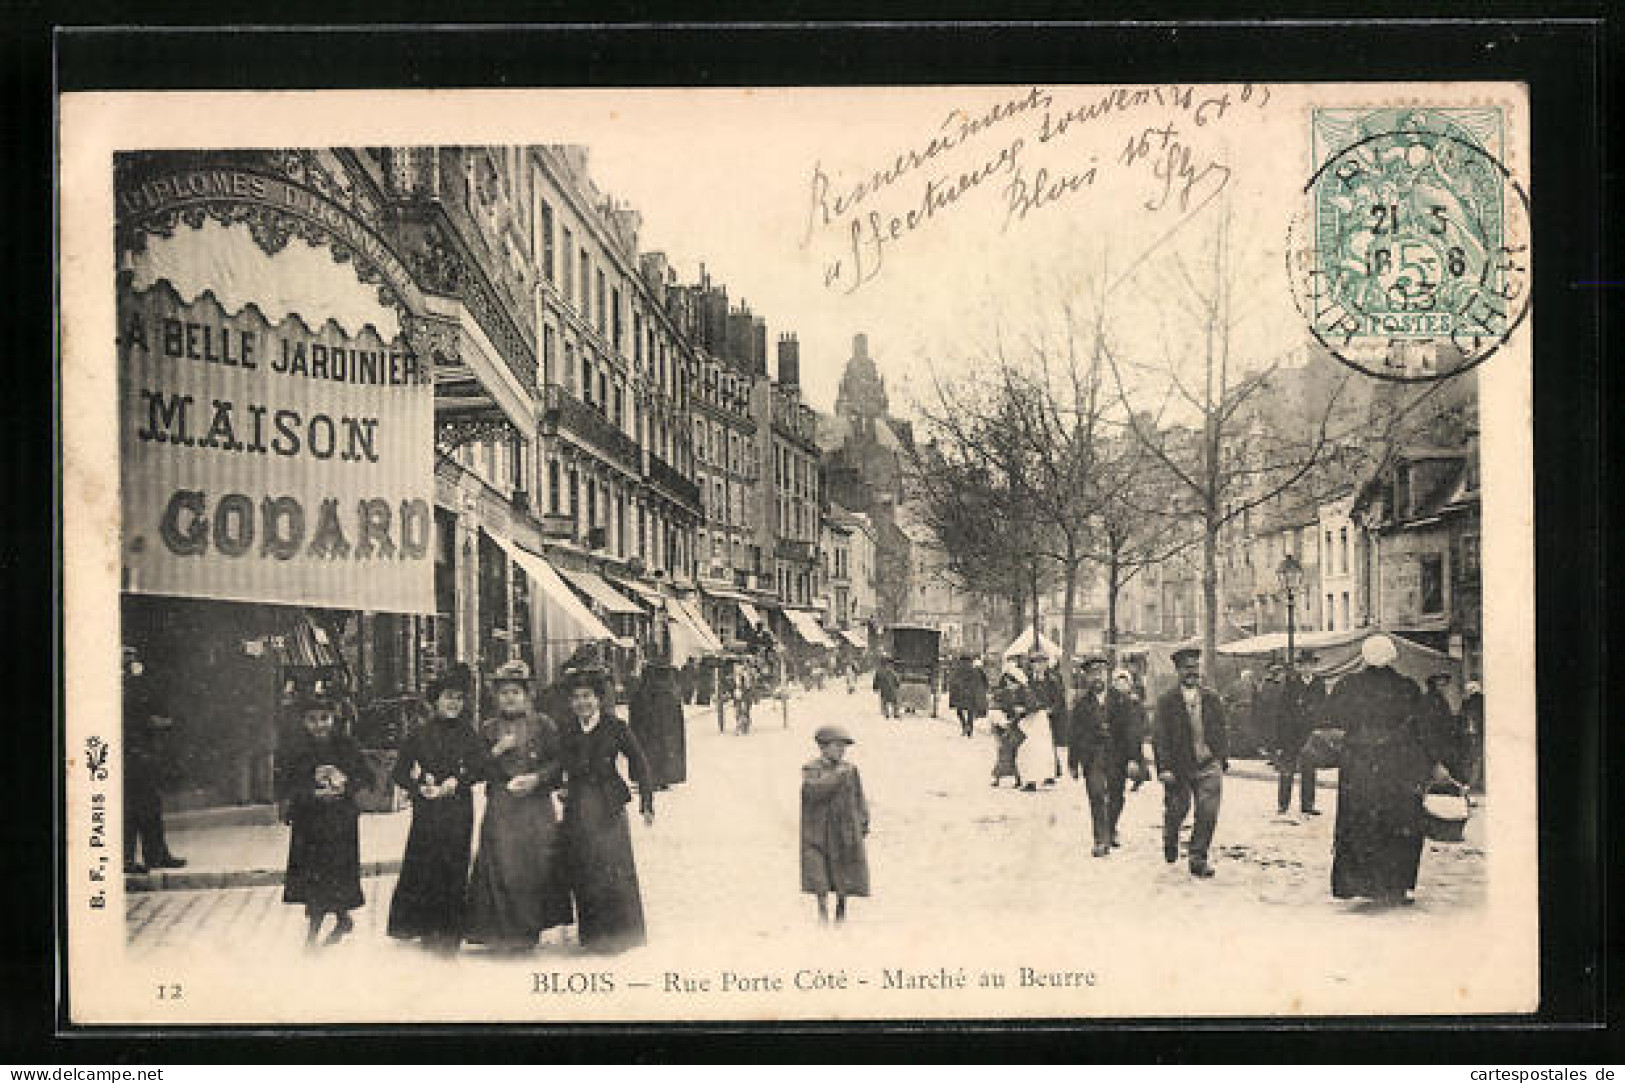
(1412,258)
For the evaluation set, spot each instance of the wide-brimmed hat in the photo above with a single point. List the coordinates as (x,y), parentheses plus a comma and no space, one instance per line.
(456,679)
(594,678)
(515,671)
(827,734)
(1192,653)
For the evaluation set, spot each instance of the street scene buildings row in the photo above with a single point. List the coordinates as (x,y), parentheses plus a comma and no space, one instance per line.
(615,458)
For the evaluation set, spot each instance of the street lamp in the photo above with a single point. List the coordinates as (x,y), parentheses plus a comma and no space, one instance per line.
(1291,575)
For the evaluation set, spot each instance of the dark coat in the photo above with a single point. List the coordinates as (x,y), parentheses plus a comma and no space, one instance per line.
(656,717)
(967,689)
(1386,760)
(518,886)
(886,683)
(430,893)
(603,873)
(834,821)
(1300,709)
(1172,740)
(1114,730)
(324,849)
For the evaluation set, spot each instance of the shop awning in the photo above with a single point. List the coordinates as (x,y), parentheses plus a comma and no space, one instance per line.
(807,627)
(560,620)
(600,592)
(691,637)
(649,596)
(750,614)
(856,638)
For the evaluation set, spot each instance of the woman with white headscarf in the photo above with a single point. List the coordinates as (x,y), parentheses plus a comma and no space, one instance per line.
(1387,759)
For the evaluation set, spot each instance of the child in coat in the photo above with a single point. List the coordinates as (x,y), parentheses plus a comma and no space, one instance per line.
(318,778)
(834,823)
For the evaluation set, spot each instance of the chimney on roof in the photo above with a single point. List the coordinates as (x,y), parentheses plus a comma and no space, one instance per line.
(789,361)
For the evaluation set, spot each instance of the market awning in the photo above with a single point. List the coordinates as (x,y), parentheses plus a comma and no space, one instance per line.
(1275,642)
(1022,646)
(807,627)
(560,620)
(601,593)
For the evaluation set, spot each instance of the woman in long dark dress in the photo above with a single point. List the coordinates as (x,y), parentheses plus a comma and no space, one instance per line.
(317,777)
(1386,761)
(603,873)
(438,765)
(518,887)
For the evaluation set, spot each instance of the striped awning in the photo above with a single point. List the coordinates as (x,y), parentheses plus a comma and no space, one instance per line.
(806,626)
(600,592)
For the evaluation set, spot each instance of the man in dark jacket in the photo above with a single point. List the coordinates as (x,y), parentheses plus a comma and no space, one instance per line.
(1298,711)
(887,684)
(147,762)
(1192,753)
(1105,738)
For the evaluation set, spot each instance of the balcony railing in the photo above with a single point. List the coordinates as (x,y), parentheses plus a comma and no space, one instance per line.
(562,410)
(665,475)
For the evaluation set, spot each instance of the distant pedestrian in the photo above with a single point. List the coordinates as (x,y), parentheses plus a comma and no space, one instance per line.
(518,888)
(745,685)
(1472,725)
(1387,759)
(1442,727)
(148,761)
(438,765)
(1050,699)
(656,717)
(1299,709)
(967,693)
(887,685)
(1014,700)
(834,824)
(1192,753)
(318,776)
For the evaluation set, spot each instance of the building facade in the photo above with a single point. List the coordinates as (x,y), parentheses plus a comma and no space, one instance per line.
(791,485)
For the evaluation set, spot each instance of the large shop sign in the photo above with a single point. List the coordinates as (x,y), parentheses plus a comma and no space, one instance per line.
(272,462)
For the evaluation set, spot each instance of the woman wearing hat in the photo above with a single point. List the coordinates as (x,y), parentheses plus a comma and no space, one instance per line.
(439,762)
(603,874)
(318,774)
(518,888)
(834,823)
(1386,760)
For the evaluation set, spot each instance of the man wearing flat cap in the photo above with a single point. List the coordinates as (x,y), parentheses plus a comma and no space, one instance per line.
(1298,712)
(1105,739)
(1192,754)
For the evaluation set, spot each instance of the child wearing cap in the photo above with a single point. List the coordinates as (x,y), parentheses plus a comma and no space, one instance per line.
(834,823)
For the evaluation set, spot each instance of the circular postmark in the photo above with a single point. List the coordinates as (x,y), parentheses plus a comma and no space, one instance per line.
(1409,258)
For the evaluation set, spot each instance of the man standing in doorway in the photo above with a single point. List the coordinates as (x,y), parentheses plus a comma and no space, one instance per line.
(1192,753)
(148,759)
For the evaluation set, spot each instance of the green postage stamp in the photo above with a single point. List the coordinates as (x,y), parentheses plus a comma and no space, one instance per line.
(1417,236)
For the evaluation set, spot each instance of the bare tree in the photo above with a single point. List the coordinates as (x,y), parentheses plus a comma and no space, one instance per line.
(1248,445)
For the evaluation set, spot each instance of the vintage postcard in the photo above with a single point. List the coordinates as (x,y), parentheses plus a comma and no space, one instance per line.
(951,552)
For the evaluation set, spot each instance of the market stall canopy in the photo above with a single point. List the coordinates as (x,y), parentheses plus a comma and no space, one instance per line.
(806,626)
(1023,646)
(594,587)
(1338,652)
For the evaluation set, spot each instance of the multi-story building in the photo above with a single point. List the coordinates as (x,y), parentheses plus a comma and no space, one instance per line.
(1343,591)
(729,373)
(790,523)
